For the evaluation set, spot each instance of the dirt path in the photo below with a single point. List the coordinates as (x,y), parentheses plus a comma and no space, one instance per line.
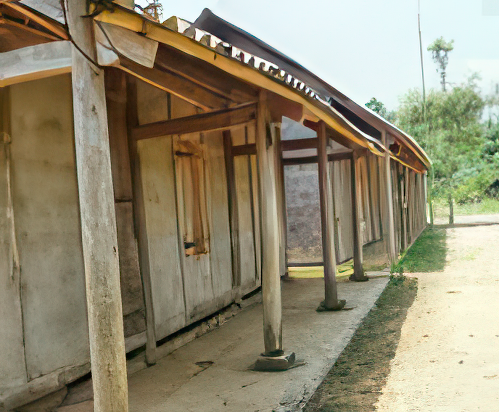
(448,355)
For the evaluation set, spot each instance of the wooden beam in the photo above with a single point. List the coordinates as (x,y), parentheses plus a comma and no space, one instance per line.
(244,149)
(334,135)
(9,22)
(203,122)
(98,221)
(314,159)
(55,28)
(358,270)
(174,84)
(299,144)
(205,75)
(35,62)
(331,301)
(292,145)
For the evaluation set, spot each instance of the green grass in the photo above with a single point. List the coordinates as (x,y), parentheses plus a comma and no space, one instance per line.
(427,254)
(486,207)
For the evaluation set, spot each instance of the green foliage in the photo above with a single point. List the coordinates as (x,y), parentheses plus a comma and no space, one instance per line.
(377,106)
(453,134)
(471,184)
(440,54)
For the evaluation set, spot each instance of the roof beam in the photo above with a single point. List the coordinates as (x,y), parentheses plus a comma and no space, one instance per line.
(179,86)
(203,122)
(55,28)
(35,62)
(205,75)
(314,159)
(299,144)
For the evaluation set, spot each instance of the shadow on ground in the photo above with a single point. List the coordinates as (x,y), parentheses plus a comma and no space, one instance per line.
(356,380)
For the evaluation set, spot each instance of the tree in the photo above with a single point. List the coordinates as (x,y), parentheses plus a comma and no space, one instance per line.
(440,54)
(377,106)
(459,143)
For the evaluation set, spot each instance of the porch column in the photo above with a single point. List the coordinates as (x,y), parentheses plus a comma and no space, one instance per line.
(331,301)
(98,223)
(273,358)
(392,254)
(358,270)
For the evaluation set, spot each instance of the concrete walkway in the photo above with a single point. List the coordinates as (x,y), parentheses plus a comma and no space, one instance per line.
(212,373)
(448,354)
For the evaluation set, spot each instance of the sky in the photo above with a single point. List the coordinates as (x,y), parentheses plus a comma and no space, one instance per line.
(368,48)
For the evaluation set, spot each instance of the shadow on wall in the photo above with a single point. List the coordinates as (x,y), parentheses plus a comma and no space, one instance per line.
(428,254)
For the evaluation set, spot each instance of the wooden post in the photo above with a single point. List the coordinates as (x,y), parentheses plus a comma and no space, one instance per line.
(233,209)
(273,358)
(331,301)
(358,270)
(392,254)
(402,201)
(281,199)
(140,222)
(98,223)
(425,194)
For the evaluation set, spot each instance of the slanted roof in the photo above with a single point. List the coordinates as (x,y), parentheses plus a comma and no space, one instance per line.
(265,68)
(362,117)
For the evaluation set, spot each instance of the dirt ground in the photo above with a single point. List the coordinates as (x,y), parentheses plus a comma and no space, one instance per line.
(447,356)
(356,380)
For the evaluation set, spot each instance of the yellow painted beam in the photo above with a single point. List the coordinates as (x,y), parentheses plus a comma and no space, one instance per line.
(155,31)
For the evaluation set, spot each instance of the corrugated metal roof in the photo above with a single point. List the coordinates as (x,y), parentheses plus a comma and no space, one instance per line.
(263,59)
(238,37)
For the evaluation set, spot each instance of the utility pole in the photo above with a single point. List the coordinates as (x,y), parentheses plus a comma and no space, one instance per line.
(425,120)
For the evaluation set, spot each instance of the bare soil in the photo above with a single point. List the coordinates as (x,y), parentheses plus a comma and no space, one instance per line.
(356,380)
(434,350)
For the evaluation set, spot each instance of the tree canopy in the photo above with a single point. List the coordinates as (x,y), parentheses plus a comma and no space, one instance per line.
(440,54)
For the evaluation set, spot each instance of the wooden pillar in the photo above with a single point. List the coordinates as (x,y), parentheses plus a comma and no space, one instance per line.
(402,201)
(358,270)
(392,254)
(98,223)
(273,357)
(140,222)
(233,209)
(331,301)
(425,194)
(281,199)
(271,281)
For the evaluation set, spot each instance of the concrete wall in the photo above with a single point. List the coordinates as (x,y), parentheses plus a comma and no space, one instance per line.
(302,198)
(304,215)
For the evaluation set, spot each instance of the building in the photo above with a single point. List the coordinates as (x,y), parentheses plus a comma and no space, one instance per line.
(142,186)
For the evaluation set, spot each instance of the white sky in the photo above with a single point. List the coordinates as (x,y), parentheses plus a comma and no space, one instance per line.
(368,48)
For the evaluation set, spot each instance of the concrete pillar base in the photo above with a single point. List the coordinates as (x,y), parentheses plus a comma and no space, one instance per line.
(357,278)
(339,306)
(274,363)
